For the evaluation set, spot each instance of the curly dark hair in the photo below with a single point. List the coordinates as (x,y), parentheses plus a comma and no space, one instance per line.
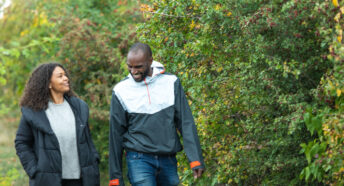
(36,93)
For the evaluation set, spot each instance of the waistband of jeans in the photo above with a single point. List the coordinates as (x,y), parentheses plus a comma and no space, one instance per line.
(152,154)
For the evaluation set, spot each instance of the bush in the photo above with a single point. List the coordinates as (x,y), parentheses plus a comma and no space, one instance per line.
(324,118)
(261,77)
(255,65)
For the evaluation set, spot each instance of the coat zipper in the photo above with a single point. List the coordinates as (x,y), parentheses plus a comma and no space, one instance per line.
(147,91)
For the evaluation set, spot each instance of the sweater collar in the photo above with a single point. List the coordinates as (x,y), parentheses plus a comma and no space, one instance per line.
(39,119)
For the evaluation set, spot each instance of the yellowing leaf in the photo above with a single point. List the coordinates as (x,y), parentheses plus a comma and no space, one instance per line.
(330,49)
(217,7)
(192,25)
(24,32)
(336,18)
(335,3)
(342,10)
(339,92)
(146,8)
(339,38)
(143,7)
(331,85)
(341,169)
(229,14)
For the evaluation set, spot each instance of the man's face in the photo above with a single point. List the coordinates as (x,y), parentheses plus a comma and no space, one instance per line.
(139,66)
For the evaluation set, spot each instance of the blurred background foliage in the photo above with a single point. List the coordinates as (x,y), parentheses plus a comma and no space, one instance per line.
(264,79)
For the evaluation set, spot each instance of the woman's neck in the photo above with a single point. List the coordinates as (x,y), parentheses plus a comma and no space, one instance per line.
(56,98)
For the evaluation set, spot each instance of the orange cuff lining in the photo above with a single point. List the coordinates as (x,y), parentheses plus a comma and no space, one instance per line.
(195,164)
(114,182)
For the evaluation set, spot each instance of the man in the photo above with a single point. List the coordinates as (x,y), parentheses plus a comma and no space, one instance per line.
(148,107)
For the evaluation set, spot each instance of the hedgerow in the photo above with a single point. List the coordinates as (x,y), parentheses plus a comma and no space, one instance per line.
(250,69)
(264,79)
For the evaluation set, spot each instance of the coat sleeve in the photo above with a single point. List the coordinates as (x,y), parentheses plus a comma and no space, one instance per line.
(118,126)
(94,150)
(24,144)
(186,125)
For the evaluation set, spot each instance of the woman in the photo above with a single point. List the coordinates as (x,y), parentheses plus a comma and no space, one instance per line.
(53,140)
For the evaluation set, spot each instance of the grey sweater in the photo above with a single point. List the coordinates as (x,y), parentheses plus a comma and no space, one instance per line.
(62,121)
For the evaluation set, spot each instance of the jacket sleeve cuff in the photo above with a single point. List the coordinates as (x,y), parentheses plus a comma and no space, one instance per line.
(195,164)
(114,182)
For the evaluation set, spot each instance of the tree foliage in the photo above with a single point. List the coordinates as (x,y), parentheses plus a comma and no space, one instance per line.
(26,39)
(90,38)
(94,41)
(264,78)
(324,117)
(256,65)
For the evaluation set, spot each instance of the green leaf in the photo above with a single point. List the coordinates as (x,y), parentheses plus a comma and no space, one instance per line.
(2,81)
(328,168)
(308,173)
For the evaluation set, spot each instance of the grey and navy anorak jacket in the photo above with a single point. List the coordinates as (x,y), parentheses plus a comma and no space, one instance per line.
(145,117)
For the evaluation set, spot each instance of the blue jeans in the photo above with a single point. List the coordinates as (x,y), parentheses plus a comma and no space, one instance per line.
(151,170)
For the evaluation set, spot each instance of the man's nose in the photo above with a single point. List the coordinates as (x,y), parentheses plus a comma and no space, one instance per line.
(133,70)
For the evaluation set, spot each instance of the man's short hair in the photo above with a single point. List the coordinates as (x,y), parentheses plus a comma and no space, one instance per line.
(141,47)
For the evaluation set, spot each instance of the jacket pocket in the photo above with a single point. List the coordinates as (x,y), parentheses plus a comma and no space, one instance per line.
(44,178)
(54,161)
(90,175)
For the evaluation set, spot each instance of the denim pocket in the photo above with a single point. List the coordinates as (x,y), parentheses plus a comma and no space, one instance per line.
(134,155)
(140,169)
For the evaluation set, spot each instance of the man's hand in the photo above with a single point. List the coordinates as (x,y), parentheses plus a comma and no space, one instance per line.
(198,173)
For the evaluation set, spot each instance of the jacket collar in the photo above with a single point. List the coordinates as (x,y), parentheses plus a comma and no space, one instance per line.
(39,119)
(158,69)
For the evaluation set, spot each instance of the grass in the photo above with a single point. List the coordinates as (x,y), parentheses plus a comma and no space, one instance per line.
(11,171)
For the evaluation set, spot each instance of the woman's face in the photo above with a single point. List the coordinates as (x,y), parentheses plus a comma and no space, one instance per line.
(59,82)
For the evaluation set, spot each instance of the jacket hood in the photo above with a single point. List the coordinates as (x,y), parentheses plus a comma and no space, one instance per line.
(158,69)
(39,120)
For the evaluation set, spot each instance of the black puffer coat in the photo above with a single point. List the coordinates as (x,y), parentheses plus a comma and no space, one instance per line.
(38,148)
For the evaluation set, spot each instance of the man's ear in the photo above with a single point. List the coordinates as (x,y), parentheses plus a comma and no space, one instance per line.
(150,60)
